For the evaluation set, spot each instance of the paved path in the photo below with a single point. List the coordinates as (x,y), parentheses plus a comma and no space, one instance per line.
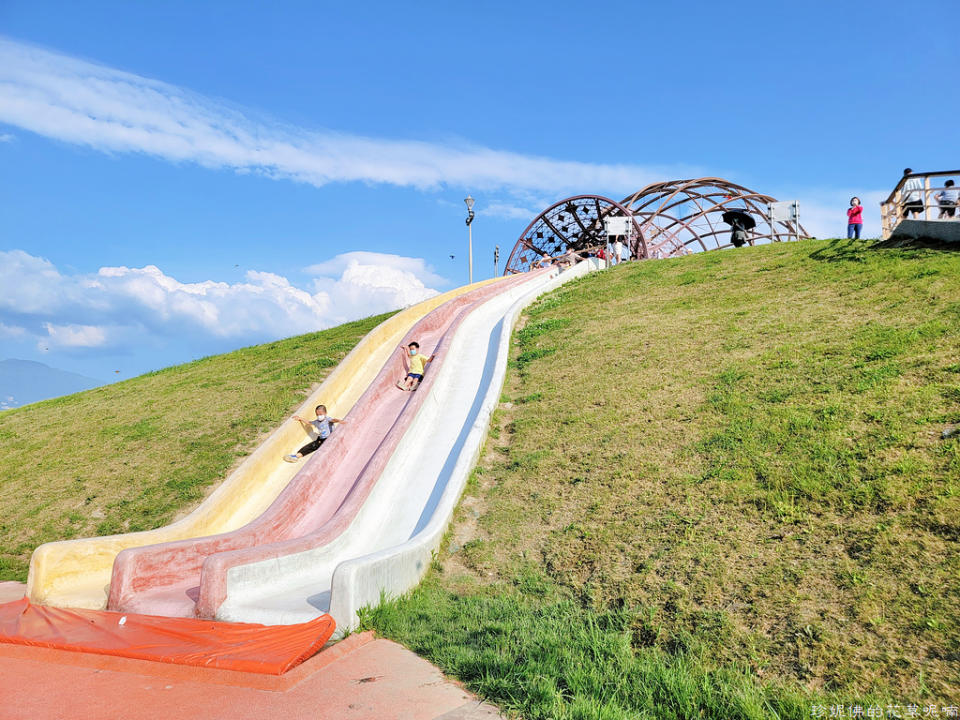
(360,678)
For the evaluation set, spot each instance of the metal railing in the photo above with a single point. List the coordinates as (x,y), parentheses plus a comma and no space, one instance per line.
(918,201)
(571,257)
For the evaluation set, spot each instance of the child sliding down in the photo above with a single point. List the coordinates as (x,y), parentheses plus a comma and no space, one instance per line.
(322,426)
(417,364)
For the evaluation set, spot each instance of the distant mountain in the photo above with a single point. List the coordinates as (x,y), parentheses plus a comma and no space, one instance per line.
(25,381)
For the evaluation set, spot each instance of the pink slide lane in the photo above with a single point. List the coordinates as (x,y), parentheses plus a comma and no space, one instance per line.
(189,577)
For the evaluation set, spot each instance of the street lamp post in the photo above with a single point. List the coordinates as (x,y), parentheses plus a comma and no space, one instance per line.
(469,201)
(496,261)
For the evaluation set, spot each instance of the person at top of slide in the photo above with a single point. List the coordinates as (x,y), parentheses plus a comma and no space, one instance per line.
(854,218)
(617,250)
(947,200)
(569,258)
(912,195)
(417,364)
(322,426)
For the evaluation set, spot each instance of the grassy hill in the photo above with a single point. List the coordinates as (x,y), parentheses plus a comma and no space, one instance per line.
(133,455)
(716,486)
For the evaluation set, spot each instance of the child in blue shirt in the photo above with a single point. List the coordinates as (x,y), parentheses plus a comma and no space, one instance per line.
(322,426)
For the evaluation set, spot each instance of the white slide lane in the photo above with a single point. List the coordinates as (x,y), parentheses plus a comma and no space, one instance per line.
(388,546)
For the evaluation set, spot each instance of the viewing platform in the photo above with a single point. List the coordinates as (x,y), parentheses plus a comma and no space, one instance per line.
(922,205)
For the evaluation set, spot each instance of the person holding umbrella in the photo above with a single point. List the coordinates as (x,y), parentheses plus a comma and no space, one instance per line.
(739,221)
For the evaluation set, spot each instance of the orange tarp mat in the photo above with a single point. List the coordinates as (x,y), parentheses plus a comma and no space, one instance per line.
(247,647)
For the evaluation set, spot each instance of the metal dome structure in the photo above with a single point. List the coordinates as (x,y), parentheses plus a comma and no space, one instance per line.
(576,223)
(683,216)
(667,219)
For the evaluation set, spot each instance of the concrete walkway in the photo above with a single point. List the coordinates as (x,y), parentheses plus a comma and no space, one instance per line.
(359,678)
(944,230)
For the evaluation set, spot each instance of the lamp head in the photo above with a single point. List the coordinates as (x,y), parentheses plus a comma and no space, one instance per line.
(469,201)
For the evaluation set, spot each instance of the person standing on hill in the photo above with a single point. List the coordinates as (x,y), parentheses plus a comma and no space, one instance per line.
(854,218)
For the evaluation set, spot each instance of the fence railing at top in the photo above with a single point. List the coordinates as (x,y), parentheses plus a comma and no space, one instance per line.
(906,198)
(571,258)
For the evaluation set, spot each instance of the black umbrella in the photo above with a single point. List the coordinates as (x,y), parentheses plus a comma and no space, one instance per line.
(739,222)
(739,217)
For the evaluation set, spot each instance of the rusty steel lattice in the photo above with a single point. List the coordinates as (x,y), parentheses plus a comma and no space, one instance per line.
(667,219)
(683,216)
(572,224)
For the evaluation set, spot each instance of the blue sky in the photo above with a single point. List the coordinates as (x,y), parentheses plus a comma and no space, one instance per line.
(183,178)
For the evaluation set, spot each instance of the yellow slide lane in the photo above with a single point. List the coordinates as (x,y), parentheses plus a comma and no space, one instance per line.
(76,573)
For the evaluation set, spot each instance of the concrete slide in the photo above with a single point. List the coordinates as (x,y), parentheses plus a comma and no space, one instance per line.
(390,549)
(188,577)
(76,573)
(369,507)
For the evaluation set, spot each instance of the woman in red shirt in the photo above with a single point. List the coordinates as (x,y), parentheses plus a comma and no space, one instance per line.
(854,218)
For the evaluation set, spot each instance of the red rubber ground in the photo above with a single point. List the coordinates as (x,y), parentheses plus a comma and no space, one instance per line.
(359,678)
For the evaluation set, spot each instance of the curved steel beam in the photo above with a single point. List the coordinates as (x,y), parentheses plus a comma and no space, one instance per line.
(584,229)
(662,225)
(663,205)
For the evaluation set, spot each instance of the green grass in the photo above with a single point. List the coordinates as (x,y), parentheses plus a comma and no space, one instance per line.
(549,657)
(133,455)
(733,463)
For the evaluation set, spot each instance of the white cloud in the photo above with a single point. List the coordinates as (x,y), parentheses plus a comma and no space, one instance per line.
(508,211)
(81,102)
(72,336)
(417,267)
(121,305)
(219,308)
(7,137)
(368,289)
(33,296)
(12,331)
